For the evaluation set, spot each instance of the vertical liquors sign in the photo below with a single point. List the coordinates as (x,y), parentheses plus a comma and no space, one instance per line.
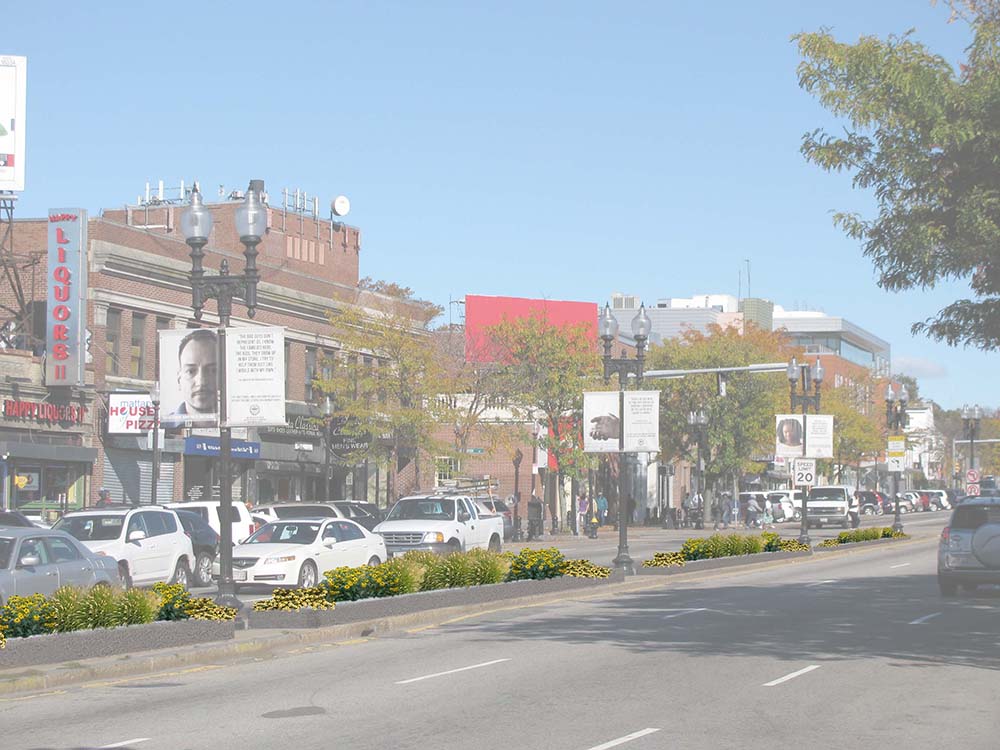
(66,312)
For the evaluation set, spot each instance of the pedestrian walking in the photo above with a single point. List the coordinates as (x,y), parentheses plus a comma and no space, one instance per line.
(727,509)
(768,515)
(716,513)
(753,511)
(602,509)
(582,512)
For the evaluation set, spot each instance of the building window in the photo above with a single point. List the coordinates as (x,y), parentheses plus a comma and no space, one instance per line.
(112,349)
(137,358)
(162,324)
(445,470)
(310,372)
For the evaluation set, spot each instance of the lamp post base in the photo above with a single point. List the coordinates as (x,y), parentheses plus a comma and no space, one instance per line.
(624,562)
(226,597)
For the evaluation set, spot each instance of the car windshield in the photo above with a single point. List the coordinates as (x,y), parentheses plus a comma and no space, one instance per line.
(974,516)
(829,493)
(423,508)
(92,528)
(286,533)
(304,511)
(6,545)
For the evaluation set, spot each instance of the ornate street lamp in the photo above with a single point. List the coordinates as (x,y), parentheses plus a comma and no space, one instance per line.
(698,421)
(971,419)
(516,460)
(801,375)
(196,225)
(895,420)
(607,327)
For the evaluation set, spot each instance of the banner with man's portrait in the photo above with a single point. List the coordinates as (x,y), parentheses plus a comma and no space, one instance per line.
(189,378)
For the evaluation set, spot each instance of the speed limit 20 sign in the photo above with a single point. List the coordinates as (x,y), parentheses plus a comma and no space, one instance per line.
(804,472)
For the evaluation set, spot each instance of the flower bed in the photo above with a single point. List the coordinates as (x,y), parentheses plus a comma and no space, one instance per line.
(863,535)
(724,545)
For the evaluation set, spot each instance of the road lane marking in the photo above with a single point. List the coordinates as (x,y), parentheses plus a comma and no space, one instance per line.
(792,676)
(126,743)
(901,565)
(153,676)
(33,695)
(626,738)
(925,618)
(820,583)
(685,612)
(450,671)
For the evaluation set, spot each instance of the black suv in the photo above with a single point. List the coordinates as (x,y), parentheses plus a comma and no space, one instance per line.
(969,550)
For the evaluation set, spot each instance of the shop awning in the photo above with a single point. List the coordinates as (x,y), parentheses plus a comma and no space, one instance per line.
(45,452)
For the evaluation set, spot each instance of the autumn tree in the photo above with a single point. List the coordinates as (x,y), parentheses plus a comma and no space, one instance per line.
(857,426)
(924,138)
(547,369)
(385,382)
(740,429)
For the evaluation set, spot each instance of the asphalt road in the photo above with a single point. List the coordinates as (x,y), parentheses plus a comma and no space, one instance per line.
(851,650)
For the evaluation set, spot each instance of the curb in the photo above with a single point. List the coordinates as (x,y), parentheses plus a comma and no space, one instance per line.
(265,645)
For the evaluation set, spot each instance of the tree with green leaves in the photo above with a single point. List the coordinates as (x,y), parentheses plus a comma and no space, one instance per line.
(384,384)
(740,429)
(547,368)
(924,138)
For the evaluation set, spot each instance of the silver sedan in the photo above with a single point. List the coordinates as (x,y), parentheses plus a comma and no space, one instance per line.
(39,561)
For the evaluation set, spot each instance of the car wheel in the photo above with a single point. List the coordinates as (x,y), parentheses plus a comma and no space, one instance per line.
(902,510)
(845,524)
(307,575)
(797,516)
(454,546)
(203,569)
(181,576)
(868,510)
(124,575)
(374,561)
(948,588)
(494,543)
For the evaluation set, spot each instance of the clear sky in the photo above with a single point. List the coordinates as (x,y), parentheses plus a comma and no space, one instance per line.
(563,150)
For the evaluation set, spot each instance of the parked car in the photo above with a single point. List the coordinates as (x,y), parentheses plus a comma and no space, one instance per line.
(905,504)
(281,511)
(211,512)
(869,503)
(440,523)
(148,543)
(205,542)
(939,499)
(297,551)
(357,512)
(14,518)
(969,547)
(500,508)
(791,503)
(39,561)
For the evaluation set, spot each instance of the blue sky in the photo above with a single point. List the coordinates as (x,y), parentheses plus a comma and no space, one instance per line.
(554,149)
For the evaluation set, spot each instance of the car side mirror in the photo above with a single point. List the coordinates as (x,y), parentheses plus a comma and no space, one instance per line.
(464,515)
(136,536)
(29,561)
(329,543)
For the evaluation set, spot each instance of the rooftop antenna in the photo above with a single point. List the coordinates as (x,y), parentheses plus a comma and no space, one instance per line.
(748,277)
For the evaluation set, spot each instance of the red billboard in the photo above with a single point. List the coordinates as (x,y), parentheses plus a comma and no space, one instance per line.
(482,312)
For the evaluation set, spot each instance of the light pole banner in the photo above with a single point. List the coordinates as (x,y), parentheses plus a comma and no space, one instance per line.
(601,427)
(642,421)
(255,377)
(189,378)
(817,434)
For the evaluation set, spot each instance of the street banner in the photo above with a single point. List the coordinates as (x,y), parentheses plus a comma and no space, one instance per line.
(255,377)
(896,454)
(189,378)
(601,427)
(130,413)
(816,434)
(642,421)
(13,115)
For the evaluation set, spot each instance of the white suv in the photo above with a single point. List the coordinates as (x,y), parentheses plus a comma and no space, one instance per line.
(211,513)
(149,543)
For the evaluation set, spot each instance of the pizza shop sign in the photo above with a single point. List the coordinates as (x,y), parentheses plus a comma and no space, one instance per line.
(43,412)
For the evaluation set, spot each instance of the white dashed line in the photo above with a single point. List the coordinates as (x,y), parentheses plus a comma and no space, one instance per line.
(126,743)
(925,618)
(626,738)
(901,565)
(791,676)
(684,612)
(820,583)
(450,671)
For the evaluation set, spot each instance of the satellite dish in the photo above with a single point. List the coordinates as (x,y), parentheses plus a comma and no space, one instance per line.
(340,205)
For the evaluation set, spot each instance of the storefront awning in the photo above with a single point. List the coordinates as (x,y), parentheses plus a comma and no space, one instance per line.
(44,452)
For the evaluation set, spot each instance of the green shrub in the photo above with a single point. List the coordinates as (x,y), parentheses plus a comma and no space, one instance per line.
(174,599)
(67,604)
(452,571)
(665,560)
(536,564)
(344,584)
(696,548)
(585,569)
(771,541)
(296,599)
(135,606)
(23,616)
(98,608)
(487,567)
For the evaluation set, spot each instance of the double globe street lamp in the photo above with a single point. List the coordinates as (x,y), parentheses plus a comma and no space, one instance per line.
(971,418)
(251,225)
(698,421)
(607,327)
(896,420)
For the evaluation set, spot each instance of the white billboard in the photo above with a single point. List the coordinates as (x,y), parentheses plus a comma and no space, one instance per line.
(601,426)
(816,435)
(130,413)
(189,378)
(642,421)
(13,98)
(255,377)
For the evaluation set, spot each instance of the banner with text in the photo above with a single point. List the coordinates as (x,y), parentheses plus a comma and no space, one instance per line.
(642,421)
(255,377)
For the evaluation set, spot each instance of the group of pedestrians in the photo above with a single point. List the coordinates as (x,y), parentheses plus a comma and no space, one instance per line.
(591,514)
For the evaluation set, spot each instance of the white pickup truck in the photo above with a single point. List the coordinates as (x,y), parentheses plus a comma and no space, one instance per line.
(440,523)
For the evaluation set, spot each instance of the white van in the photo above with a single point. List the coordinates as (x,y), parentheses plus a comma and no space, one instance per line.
(831,505)
(211,512)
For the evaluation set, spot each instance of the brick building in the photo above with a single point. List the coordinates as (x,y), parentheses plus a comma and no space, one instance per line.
(138,283)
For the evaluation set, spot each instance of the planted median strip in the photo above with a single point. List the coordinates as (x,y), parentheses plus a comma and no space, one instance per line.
(862,535)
